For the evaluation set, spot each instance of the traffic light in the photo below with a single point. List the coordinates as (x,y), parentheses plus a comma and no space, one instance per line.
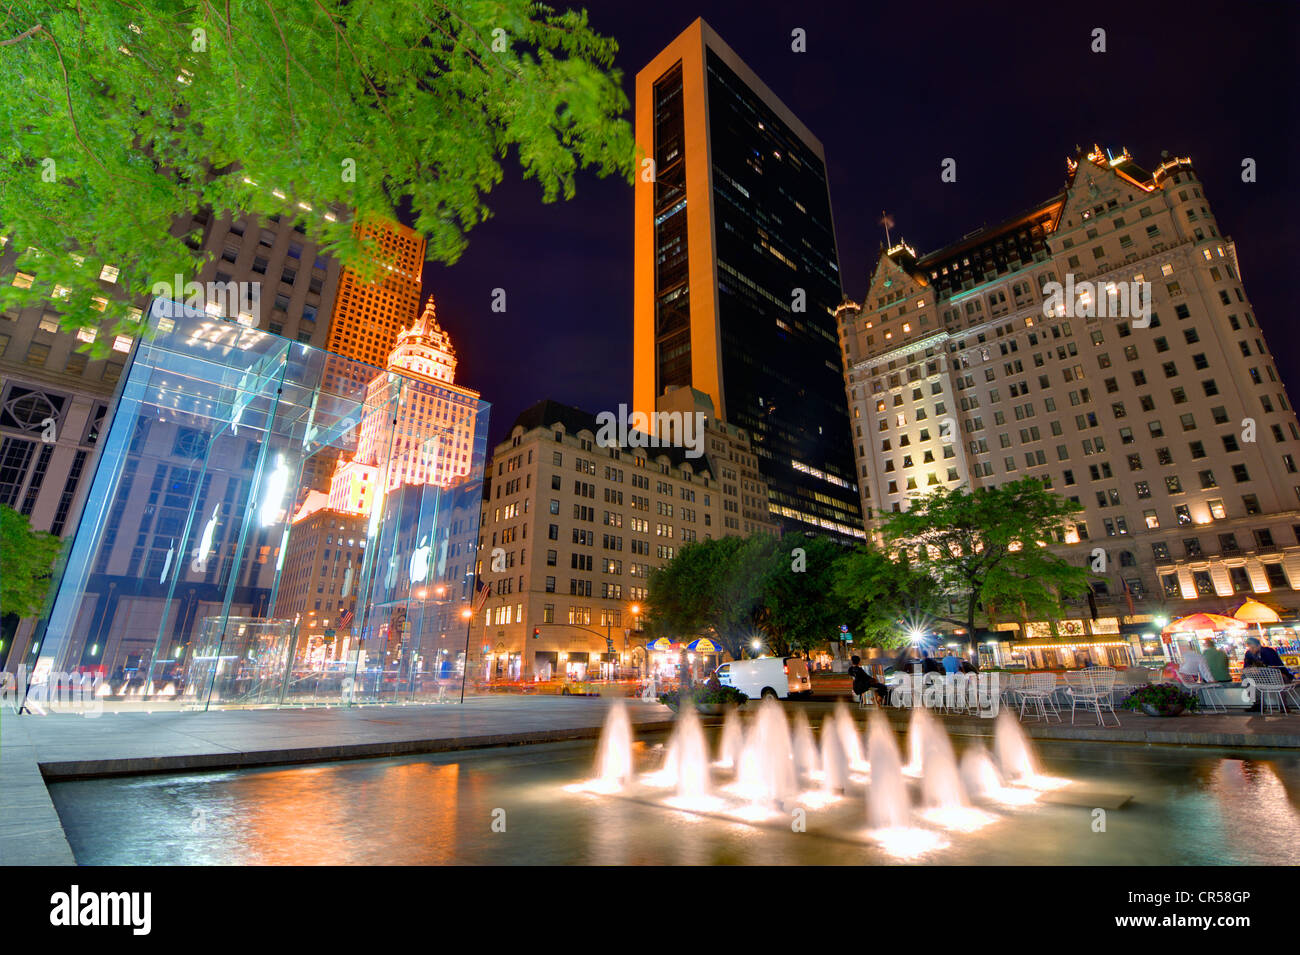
(537,632)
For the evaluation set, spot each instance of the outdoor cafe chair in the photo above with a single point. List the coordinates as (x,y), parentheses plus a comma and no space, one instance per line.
(1012,684)
(1091,689)
(1037,693)
(1201,691)
(1271,684)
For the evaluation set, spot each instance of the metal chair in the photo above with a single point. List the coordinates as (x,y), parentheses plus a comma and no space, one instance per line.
(1091,689)
(1012,683)
(1271,685)
(1037,692)
(1198,690)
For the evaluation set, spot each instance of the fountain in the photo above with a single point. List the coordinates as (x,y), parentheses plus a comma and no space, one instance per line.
(984,782)
(766,773)
(849,738)
(1012,748)
(732,741)
(614,755)
(835,762)
(888,803)
(779,762)
(807,760)
(688,757)
(1016,758)
(941,786)
(978,772)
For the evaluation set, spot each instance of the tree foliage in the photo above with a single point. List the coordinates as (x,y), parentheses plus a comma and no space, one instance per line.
(987,549)
(26,564)
(739,589)
(885,598)
(119,120)
(799,606)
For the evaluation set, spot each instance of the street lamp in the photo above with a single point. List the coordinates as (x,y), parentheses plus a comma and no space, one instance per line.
(468,616)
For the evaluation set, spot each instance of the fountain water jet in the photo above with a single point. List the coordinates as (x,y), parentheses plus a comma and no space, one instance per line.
(941,786)
(850,741)
(983,781)
(1015,756)
(766,775)
(888,803)
(835,762)
(732,741)
(614,755)
(688,752)
(807,761)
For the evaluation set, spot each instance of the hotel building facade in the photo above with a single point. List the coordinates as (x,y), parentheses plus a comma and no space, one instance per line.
(737,274)
(1173,433)
(571,529)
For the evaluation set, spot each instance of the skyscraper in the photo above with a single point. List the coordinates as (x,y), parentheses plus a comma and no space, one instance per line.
(737,274)
(370,309)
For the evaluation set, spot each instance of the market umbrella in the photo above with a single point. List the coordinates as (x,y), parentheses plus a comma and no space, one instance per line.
(1204,621)
(661,643)
(1252,611)
(703,645)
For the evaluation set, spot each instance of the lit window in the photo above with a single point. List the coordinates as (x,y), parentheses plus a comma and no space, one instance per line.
(122,343)
(23,280)
(99,303)
(87,335)
(108,273)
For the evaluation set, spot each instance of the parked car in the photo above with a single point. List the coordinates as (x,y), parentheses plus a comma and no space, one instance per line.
(778,677)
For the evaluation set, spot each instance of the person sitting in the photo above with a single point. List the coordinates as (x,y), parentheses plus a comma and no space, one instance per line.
(864,681)
(951,662)
(929,664)
(1216,661)
(1193,668)
(1258,655)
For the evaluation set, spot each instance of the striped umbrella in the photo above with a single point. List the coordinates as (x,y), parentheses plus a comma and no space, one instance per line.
(703,645)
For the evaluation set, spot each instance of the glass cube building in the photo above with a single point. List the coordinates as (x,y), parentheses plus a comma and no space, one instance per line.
(270,524)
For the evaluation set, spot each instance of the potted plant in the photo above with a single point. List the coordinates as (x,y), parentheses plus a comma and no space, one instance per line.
(1160,699)
(708,698)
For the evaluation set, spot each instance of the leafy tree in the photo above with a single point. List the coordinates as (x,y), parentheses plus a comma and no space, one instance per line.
(121,119)
(988,549)
(800,607)
(26,563)
(713,587)
(884,597)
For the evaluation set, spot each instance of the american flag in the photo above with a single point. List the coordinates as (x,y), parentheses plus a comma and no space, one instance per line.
(346,619)
(481,591)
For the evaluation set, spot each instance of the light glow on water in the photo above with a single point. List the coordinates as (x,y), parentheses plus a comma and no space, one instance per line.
(906,842)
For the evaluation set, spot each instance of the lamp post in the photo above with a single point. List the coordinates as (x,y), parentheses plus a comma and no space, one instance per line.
(468,616)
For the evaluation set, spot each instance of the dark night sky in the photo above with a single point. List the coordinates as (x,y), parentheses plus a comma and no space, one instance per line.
(1007,89)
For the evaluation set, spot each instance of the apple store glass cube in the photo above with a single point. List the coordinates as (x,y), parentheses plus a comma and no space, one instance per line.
(271,524)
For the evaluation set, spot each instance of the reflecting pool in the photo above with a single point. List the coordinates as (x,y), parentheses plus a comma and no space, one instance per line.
(518,805)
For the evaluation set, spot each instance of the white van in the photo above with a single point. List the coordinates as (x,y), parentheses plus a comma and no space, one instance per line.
(779,677)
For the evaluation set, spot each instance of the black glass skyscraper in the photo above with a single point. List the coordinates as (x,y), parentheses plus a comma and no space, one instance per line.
(737,274)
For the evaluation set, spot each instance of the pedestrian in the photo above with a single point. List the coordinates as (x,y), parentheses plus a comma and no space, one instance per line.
(864,681)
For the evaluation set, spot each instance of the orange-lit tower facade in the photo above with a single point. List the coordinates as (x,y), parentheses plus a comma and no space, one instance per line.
(368,315)
(432,439)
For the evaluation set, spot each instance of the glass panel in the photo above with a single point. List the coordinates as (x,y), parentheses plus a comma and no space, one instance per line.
(263,530)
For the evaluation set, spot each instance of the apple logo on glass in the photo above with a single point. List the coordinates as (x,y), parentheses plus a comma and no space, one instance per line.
(419,570)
